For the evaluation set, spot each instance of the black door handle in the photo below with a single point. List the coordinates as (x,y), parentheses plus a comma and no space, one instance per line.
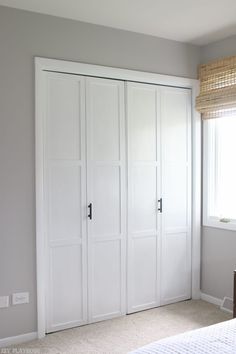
(160,205)
(90,208)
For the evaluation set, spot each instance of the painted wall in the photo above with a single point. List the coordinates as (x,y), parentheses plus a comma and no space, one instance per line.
(219,49)
(218,246)
(218,262)
(24,35)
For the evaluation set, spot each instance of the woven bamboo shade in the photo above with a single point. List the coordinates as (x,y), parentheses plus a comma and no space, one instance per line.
(217,96)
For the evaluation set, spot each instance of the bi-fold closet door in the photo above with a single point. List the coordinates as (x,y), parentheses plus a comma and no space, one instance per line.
(159,195)
(144,196)
(117,192)
(85,200)
(65,201)
(106,191)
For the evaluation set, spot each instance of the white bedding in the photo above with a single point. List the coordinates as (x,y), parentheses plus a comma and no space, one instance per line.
(216,339)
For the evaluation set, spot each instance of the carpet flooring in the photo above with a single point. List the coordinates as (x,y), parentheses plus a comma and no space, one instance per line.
(120,335)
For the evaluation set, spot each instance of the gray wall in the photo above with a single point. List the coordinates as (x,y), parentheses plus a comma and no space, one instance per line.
(24,35)
(218,246)
(218,262)
(220,49)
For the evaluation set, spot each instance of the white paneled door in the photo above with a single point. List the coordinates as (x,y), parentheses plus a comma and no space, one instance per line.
(176,194)
(106,198)
(159,195)
(143,114)
(117,197)
(65,201)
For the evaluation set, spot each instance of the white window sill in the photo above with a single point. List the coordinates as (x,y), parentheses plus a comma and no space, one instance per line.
(215,222)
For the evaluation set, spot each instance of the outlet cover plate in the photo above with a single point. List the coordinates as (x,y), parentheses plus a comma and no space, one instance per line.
(4,301)
(20,298)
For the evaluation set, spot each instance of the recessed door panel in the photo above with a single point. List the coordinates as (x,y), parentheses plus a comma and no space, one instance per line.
(105,126)
(176,206)
(176,268)
(142,122)
(64,105)
(144,285)
(107,198)
(107,195)
(144,202)
(66,298)
(64,201)
(175,124)
(106,279)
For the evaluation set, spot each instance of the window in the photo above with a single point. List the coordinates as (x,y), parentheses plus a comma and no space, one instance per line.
(219,170)
(217,104)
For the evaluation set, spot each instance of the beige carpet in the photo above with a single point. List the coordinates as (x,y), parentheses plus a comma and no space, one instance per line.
(126,333)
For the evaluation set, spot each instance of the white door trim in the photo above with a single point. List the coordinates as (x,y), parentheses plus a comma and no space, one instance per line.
(41,65)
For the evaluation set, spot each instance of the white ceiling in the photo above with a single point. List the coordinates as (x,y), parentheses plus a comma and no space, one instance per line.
(195,21)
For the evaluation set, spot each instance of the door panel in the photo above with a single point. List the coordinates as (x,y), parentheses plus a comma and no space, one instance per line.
(144,203)
(175,124)
(143,114)
(106,201)
(105,124)
(65,203)
(106,279)
(64,105)
(66,284)
(142,122)
(143,286)
(176,191)
(106,192)
(176,195)
(176,269)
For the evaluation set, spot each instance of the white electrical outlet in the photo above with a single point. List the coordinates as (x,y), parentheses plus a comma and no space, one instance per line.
(20,298)
(4,301)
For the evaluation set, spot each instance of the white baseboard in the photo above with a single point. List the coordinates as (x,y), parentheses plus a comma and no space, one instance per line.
(5,342)
(211,299)
(226,310)
(215,301)
(230,302)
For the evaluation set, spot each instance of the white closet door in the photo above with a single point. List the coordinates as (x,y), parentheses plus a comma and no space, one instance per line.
(176,194)
(65,203)
(143,108)
(106,193)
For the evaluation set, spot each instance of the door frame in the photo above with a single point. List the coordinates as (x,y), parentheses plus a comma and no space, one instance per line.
(76,68)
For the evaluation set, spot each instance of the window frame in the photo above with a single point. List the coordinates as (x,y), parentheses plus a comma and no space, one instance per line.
(209,165)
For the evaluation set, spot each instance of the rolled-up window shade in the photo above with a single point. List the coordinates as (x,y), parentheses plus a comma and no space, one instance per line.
(217,96)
